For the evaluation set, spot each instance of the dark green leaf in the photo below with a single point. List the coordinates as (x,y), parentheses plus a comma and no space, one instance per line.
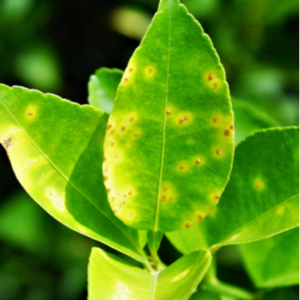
(278,261)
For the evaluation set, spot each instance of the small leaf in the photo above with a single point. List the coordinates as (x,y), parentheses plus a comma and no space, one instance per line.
(261,198)
(55,147)
(247,120)
(103,87)
(113,278)
(278,261)
(169,143)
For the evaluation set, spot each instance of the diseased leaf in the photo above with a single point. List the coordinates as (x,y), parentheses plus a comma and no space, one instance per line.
(247,120)
(278,261)
(103,87)
(261,198)
(55,147)
(169,141)
(113,278)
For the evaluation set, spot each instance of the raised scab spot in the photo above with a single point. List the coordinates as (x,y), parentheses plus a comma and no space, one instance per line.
(200,218)
(150,71)
(215,86)
(215,120)
(280,209)
(136,134)
(130,70)
(165,188)
(187,225)
(59,204)
(109,126)
(112,144)
(181,167)
(123,128)
(131,119)
(217,198)
(163,197)
(104,158)
(210,77)
(115,211)
(30,113)
(50,193)
(8,142)
(105,178)
(129,192)
(219,152)
(172,198)
(181,120)
(113,199)
(125,80)
(108,191)
(259,184)
(186,118)
(227,132)
(130,214)
(198,161)
(231,127)
(168,111)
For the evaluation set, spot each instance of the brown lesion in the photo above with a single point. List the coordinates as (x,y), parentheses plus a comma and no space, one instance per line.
(8,142)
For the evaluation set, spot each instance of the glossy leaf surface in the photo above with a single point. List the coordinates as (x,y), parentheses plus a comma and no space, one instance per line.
(207,295)
(278,261)
(102,88)
(55,147)
(169,141)
(113,278)
(261,198)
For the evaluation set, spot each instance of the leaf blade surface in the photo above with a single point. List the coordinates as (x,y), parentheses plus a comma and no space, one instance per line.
(170,133)
(59,169)
(111,277)
(261,198)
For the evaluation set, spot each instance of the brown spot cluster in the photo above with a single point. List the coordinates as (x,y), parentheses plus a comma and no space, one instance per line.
(8,142)
(183,119)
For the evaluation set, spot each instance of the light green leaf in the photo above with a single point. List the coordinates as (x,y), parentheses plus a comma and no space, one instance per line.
(247,120)
(169,141)
(103,87)
(154,240)
(113,278)
(278,261)
(55,147)
(261,198)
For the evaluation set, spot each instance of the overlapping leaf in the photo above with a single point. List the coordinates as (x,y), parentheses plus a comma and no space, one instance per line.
(261,198)
(55,148)
(273,262)
(113,278)
(103,87)
(169,141)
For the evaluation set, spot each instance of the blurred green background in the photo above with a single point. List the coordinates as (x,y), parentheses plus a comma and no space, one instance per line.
(55,45)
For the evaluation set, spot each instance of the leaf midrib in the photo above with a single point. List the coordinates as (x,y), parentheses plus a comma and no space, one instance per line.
(164,132)
(68,180)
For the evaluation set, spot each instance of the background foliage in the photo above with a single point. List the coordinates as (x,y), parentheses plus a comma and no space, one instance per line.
(56,45)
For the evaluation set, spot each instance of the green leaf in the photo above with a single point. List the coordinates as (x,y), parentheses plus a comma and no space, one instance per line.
(261,198)
(154,240)
(55,147)
(278,261)
(207,295)
(113,278)
(169,141)
(103,87)
(247,120)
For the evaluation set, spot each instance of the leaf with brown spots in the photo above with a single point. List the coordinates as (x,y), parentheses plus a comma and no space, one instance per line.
(175,88)
(261,198)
